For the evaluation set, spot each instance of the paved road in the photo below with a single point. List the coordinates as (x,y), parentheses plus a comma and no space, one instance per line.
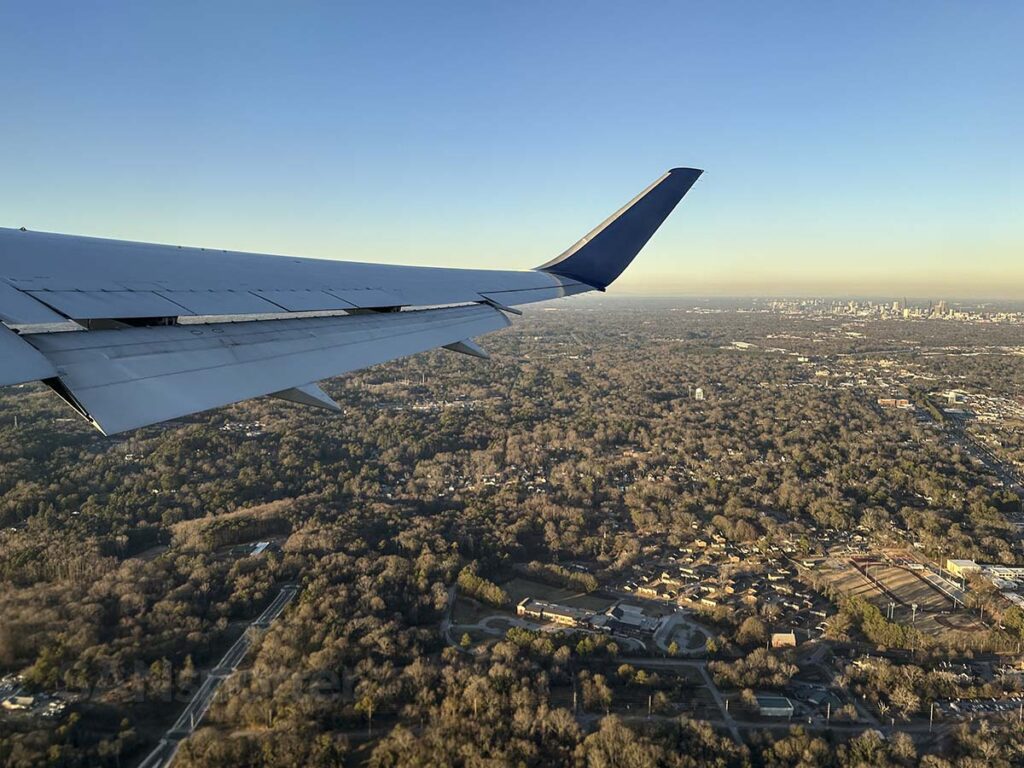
(186,723)
(446,622)
(275,608)
(162,755)
(197,707)
(817,723)
(958,434)
(668,630)
(709,683)
(716,694)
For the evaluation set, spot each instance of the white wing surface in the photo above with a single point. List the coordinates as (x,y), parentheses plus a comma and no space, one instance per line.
(134,358)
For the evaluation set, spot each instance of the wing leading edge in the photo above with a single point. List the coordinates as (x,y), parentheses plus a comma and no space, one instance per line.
(132,362)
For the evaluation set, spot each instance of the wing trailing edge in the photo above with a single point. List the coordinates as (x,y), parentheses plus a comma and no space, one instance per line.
(126,378)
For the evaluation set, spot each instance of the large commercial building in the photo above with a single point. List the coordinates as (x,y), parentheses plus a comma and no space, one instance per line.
(962,567)
(559,614)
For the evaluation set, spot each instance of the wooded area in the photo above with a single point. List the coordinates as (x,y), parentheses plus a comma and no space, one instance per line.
(118,575)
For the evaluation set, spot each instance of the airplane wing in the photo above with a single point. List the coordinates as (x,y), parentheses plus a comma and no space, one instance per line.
(131,334)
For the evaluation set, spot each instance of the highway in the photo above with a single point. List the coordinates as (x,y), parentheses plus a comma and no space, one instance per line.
(164,753)
(957,432)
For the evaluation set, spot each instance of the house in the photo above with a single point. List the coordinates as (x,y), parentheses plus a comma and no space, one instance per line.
(19,702)
(784,639)
(822,698)
(656,589)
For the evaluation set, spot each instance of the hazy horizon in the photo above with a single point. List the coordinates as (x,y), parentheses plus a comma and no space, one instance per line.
(741,290)
(911,300)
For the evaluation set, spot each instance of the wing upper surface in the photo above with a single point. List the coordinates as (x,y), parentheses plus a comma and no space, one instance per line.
(85,278)
(135,363)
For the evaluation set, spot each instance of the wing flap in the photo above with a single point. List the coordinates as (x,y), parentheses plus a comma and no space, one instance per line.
(128,378)
(91,278)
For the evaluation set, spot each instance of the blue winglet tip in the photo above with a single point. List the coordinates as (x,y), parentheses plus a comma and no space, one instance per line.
(601,256)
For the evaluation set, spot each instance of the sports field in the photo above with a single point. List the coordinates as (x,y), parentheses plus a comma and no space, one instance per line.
(883,580)
(850,581)
(910,588)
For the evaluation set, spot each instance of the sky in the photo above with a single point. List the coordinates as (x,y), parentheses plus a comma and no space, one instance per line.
(868,148)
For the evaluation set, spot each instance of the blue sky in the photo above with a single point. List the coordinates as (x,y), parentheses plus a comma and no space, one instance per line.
(870,147)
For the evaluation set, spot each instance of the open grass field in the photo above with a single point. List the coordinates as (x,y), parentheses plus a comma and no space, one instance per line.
(470,611)
(518,588)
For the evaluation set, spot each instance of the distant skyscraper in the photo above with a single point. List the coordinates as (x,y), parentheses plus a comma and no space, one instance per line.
(698,394)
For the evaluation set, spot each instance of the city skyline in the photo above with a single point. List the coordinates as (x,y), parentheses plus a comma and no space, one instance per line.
(845,152)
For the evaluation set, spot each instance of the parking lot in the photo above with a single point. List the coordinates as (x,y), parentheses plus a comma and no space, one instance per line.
(962,707)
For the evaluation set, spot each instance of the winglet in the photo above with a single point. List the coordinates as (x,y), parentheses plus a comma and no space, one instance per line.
(604,253)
